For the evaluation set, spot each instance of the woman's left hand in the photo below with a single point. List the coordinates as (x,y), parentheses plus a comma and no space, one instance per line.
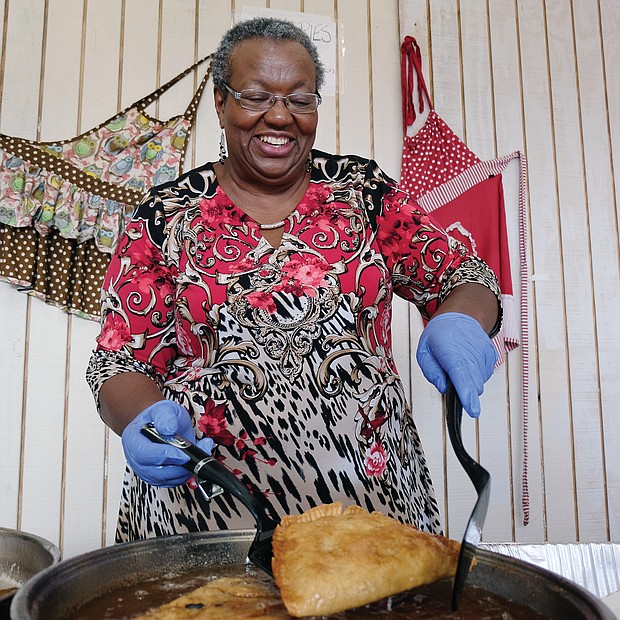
(455,345)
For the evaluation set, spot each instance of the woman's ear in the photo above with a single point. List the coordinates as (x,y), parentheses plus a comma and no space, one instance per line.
(219,102)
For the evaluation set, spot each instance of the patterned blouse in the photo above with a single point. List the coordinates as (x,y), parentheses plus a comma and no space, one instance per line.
(282,354)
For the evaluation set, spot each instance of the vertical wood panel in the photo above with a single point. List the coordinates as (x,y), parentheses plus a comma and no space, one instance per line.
(610,26)
(240,4)
(493,438)
(445,63)
(85,434)
(354,99)
(449,97)
(44,423)
(13,313)
(604,249)
(548,288)
(62,69)
(213,20)
(575,247)
(327,131)
(140,55)
(425,400)
(508,112)
(80,491)
(132,72)
(22,69)
(477,75)
(43,402)
(14,307)
(177,53)
(13,323)
(285,5)
(386,100)
(85,441)
(101,62)
(87,454)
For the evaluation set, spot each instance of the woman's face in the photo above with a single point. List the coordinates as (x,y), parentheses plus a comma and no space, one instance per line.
(269,147)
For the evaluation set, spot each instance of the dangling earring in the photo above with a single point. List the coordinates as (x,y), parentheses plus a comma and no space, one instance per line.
(309,163)
(223,149)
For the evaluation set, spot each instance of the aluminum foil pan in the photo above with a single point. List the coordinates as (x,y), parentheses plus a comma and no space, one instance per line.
(594,566)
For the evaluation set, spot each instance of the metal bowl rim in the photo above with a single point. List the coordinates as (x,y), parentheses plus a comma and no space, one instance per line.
(38,541)
(46,544)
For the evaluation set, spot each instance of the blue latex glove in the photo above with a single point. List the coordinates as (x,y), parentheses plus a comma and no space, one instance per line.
(455,345)
(159,464)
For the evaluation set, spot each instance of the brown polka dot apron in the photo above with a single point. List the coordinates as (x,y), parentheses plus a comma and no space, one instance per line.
(64,205)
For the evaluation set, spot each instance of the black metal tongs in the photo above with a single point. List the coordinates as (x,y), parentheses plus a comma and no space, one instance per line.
(481,480)
(218,479)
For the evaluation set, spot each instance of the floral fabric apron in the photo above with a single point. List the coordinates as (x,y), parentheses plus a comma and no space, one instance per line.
(64,205)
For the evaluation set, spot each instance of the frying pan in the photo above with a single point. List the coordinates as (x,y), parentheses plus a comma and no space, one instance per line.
(54,593)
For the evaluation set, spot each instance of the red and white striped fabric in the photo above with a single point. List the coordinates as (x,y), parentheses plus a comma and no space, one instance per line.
(466,196)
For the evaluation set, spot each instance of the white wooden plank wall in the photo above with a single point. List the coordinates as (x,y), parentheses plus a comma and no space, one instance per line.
(537,75)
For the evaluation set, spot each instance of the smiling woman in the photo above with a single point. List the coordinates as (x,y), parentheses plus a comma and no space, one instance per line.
(249,305)
(268,142)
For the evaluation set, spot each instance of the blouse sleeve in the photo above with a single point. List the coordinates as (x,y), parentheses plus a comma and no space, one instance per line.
(426,264)
(137,303)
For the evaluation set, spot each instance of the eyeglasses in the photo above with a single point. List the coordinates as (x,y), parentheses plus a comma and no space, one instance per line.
(262,100)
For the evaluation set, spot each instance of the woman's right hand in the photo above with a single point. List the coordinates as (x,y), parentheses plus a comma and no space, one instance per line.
(160,464)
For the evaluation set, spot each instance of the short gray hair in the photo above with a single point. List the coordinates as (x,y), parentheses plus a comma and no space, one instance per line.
(261,28)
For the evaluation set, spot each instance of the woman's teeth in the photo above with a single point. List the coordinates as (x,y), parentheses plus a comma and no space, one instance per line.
(273,140)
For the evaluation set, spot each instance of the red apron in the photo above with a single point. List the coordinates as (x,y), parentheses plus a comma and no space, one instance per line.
(465,195)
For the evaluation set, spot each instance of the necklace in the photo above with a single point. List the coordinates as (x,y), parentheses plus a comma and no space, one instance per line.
(272,226)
